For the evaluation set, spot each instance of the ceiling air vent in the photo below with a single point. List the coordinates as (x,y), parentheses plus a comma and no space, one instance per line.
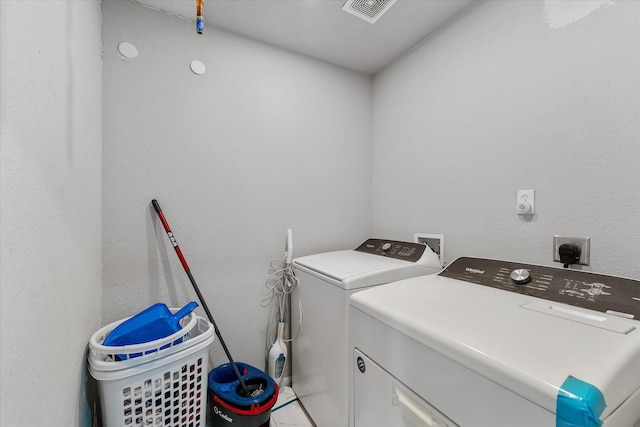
(368,10)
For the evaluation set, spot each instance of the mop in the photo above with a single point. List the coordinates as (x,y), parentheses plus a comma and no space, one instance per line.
(183,261)
(281,283)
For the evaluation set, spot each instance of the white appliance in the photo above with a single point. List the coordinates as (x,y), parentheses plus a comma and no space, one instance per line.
(320,354)
(489,343)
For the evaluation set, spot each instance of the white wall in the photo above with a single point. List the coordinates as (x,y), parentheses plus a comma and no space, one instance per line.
(265,140)
(515,95)
(50,121)
(507,96)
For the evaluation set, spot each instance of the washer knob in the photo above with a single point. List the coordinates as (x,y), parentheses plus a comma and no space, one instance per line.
(520,276)
(386,246)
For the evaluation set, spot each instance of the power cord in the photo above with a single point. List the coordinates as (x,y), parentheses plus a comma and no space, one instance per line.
(281,282)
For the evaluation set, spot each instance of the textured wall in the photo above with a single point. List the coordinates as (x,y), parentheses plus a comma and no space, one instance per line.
(50,121)
(265,140)
(509,96)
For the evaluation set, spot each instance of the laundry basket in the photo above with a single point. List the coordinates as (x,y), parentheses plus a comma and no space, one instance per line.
(164,385)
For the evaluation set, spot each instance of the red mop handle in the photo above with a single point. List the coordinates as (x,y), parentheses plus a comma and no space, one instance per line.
(174,242)
(172,238)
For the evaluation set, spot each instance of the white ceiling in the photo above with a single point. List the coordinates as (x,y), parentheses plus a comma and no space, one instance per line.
(321,29)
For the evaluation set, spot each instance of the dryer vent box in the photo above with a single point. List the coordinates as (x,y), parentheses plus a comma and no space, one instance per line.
(434,241)
(368,10)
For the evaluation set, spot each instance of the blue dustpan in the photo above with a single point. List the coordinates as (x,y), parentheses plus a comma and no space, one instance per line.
(154,323)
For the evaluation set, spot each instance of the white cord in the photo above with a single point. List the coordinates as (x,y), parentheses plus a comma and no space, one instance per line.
(281,282)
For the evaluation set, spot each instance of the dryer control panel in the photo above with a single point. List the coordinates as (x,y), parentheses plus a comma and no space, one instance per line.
(406,251)
(607,294)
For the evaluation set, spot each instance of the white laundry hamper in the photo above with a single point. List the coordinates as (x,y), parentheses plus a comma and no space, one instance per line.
(157,383)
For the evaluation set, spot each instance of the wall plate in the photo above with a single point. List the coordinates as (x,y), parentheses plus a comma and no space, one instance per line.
(434,241)
(127,50)
(525,202)
(583,242)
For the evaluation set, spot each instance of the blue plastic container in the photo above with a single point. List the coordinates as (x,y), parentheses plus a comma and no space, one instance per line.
(230,406)
(153,323)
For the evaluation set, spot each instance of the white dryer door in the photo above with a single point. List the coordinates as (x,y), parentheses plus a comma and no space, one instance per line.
(382,400)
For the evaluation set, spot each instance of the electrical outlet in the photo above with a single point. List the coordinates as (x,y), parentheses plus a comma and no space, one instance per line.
(583,243)
(525,202)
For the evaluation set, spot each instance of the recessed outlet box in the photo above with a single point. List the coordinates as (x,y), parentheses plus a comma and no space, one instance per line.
(583,243)
(434,241)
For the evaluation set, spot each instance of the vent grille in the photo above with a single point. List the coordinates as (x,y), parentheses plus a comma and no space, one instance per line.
(368,10)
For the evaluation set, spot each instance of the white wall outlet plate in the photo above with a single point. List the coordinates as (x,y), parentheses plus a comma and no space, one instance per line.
(525,202)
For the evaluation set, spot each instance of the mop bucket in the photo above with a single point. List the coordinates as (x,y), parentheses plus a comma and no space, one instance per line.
(230,406)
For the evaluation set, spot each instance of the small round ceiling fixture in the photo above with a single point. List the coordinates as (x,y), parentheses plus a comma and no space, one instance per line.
(127,50)
(197,67)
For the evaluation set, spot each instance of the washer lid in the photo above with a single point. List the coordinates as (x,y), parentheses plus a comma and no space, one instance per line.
(351,269)
(498,335)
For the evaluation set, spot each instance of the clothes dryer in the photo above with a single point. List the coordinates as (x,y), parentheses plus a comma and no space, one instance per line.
(489,343)
(320,302)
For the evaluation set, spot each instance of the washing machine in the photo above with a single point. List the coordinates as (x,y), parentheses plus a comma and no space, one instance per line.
(320,354)
(489,343)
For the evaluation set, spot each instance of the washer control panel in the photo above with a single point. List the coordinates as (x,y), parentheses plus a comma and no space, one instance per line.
(607,294)
(406,251)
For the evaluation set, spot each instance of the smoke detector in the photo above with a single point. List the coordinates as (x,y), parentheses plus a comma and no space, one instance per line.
(368,10)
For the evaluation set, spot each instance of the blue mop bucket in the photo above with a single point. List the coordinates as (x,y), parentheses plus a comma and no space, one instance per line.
(230,406)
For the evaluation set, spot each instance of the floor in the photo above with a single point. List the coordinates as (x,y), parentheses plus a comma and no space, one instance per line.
(287,411)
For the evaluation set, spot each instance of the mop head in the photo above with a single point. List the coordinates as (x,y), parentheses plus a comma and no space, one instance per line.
(253,390)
